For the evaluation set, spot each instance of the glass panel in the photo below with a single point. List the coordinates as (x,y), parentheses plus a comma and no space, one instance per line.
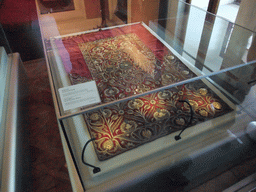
(154,80)
(138,133)
(210,43)
(239,86)
(172,43)
(4,84)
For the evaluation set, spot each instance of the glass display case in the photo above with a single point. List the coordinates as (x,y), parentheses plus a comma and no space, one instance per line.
(14,163)
(5,70)
(3,107)
(139,86)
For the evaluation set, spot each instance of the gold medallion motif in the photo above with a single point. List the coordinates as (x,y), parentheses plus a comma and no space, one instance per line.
(135,104)
(128,126)
(164,94)
(217,105)
(107,113)
(94,116)
(203,91)
(161,114)
(180,121)
(108,145)
(146,133)
(171,57)
(185,72)
(203,112)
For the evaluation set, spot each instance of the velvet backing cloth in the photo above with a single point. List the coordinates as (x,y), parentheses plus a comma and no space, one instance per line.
(129,60)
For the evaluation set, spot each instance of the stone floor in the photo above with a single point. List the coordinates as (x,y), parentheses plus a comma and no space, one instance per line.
(49,169)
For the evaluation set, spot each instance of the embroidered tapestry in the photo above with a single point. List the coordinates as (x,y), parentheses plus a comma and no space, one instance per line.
(127,61)
(130,124)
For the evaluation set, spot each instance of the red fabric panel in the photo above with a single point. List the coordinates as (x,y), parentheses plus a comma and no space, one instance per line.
(76,57)
(18,11)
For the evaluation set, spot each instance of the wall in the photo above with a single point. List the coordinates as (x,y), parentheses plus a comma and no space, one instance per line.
(143,10)
(247,14)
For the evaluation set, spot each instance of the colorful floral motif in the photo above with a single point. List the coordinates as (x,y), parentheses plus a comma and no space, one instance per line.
(130,124)
(123,65)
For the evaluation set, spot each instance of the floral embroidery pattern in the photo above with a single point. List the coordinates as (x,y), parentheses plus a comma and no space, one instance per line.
(123,66)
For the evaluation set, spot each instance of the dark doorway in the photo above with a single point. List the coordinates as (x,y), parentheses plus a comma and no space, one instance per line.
(121,10)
